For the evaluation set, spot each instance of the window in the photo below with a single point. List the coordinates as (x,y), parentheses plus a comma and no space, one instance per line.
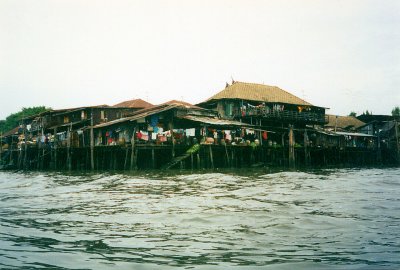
(83,115)
(228,109)
(66,119)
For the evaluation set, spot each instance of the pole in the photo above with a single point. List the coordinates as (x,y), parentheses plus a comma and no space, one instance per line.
(133,161)
(91,142)
(171,128)
(291,148)
(55,146)
(69,164)
(396,125)
(1,144)
(306,149)
(26,149)
(211,157)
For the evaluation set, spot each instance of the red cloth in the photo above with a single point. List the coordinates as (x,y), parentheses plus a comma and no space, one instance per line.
(265,135)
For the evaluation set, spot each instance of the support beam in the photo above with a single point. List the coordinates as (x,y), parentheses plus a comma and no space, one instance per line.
(69,161)
(291,148)
(307,157)
(211,157)
(1,144)
(153,158)
(133,157)
(171,128)
(55,146)
(91,145)
(396,126)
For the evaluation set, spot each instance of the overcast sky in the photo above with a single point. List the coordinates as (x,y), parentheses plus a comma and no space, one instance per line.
(344,55)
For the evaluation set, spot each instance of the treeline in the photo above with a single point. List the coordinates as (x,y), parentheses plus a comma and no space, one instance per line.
(395,112)
(13,120)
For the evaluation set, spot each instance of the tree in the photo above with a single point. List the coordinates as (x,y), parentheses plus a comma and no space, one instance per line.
(367,113)
(354,114)
(396,111)
(14,119)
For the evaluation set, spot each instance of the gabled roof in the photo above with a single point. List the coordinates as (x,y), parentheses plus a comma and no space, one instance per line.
(134,103)
(258,92)
(183,103)
(344,122)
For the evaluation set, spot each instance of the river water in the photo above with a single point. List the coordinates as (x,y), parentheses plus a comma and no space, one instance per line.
(329,219)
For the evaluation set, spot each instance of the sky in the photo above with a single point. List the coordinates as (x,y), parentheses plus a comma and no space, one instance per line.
(343,55)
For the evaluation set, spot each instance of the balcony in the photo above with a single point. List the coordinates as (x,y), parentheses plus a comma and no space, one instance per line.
(285,116)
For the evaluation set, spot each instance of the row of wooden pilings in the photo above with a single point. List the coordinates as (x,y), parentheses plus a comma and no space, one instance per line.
(121,158)
(149,156)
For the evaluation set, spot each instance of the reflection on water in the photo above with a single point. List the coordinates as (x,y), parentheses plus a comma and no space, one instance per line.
(331,219)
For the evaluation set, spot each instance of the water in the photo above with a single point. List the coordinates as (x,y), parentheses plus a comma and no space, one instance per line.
(330,219)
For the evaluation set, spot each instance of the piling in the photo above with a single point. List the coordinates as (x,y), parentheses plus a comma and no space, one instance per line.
(307,156)
(291,148)
(396,126)
(133,156)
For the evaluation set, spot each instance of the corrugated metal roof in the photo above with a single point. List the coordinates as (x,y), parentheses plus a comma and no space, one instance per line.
(354,134)
(215,121)
(258,92)
(140,114)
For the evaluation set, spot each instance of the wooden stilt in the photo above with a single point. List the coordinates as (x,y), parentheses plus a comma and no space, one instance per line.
(396,126)
(91,147)
(1,144)
(69,161)
(39,147)
(307,156)
(91,141)
(19,158)
(115,158)
(153,159)
(126,157)
(227,156)
(379,152)
(171,128)
(191,161)
(133,159)
(10,149)
(211,157)
(55,146)
(232,157)
(291,148)
(198,161)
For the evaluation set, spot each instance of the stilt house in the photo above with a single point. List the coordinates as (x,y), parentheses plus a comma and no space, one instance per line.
(264,105)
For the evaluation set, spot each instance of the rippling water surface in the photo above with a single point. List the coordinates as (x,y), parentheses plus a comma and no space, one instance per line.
(330,219)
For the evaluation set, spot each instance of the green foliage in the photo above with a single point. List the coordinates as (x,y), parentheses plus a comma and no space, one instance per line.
(195,148)
(354,114)
(367,113)
(14,119)
(396,111)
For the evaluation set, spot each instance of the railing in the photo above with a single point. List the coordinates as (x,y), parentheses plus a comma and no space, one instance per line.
(306,117)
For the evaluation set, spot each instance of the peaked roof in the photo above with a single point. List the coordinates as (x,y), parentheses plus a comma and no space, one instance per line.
(258,92)
(344,122)
(183,103)
(134,103)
